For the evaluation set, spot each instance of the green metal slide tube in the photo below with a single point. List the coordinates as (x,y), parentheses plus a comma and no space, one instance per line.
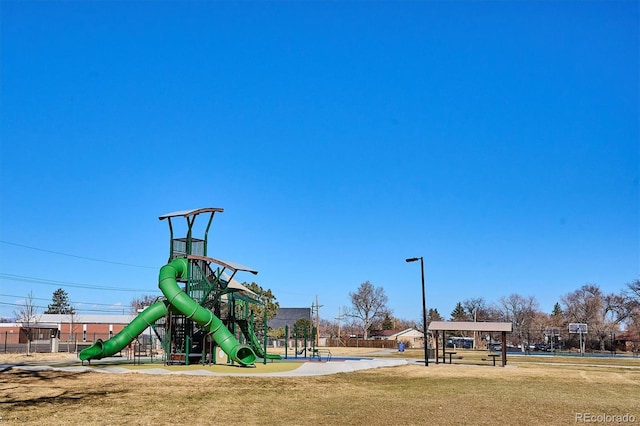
(255,342)
(118,342)
(177,298)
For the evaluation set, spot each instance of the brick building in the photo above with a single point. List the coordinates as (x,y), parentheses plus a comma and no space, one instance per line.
(78,328)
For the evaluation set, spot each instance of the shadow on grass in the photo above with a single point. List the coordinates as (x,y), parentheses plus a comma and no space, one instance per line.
(26,376)
(14,383)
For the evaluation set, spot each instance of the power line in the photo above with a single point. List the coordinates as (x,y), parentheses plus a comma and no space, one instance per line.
(111,311)
(63,284)
(78,257)
(71,302)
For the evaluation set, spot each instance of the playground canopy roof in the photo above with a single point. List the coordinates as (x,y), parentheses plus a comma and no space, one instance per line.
(234,284)
(234,266)
(470,326)
(192,212)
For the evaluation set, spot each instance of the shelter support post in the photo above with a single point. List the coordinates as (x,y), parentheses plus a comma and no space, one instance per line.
(504,348)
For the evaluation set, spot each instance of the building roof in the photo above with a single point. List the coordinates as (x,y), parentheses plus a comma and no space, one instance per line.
(394,334)
(288,316)
(382,333)
(85,319)
(627,335)
(408,331)
(24,325)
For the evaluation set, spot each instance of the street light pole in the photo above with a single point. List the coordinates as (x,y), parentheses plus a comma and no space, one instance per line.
(424,310)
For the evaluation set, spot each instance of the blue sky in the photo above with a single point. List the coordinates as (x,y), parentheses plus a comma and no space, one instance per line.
(498,140)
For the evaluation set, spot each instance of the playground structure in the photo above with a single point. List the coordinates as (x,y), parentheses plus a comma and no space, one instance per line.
(203,308)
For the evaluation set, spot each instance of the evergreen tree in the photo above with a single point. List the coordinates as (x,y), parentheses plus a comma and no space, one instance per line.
(271,305)
(434,315)
(387,322)
(458,313)
(303,325)
(60,303)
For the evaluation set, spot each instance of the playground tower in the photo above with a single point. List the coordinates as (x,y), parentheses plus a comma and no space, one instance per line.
(203,307)
(210,282)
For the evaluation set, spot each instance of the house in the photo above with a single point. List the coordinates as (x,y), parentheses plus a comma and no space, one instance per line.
(628,341)
(412,337)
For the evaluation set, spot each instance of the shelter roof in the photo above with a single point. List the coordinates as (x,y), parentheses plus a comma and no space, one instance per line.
(470,326)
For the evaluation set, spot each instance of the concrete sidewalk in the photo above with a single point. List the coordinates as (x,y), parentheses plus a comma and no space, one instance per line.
(305,368)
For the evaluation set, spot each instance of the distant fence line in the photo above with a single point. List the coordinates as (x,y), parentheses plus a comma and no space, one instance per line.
(361,343)
(13,343)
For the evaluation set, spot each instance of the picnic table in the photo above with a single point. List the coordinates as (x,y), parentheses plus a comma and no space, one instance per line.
(451,353)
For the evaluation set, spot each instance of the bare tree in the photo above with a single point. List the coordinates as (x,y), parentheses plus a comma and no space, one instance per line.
(602,312)
(27,315)
(141,302)
(403,324)
(520,311)
(351,327)
(368,304)
(541,324)
(476,308)
(634,290)
(329,328)
(73,324)
(632,303)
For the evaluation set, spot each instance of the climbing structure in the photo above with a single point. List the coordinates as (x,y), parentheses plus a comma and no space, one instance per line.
(203,307)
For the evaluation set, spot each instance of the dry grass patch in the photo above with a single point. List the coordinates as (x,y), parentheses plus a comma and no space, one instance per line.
(410,395)
(36,357)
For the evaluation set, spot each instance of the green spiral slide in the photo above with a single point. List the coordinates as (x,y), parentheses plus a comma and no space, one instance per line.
(118,342)
(204,317)
(180,301)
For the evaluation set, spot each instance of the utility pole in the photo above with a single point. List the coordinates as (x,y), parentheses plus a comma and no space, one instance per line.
(339,322)
(316,309)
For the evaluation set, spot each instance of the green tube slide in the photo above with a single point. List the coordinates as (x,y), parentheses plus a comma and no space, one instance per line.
(118,342)
(255,342)
(177,298)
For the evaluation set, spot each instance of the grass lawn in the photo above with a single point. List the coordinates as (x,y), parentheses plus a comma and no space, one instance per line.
(529,391)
